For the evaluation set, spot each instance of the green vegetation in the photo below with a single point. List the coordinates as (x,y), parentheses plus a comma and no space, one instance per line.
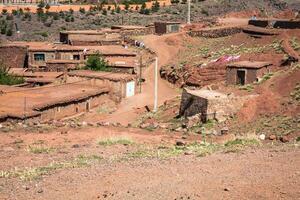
(29,174)
(40,149)
(97,63)
(248,87)
(114,141)
(295,43)
(199,149)
(296,93)
(6,78)
(268,125)
(42,33)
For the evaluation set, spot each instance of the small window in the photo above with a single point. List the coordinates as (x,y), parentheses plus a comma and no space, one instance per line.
(39,57)
(76,57)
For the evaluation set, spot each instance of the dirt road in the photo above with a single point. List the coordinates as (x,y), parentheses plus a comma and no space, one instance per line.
(164,50)
(269,173)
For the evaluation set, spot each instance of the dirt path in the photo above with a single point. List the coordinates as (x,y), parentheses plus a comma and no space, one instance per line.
(126,112)
(254,174)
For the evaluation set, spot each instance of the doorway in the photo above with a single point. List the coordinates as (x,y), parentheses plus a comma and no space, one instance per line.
(241,75)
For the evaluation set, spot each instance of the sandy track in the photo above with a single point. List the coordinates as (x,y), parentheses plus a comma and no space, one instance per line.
(126,110)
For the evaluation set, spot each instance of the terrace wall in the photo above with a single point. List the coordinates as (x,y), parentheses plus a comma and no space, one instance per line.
(215,33)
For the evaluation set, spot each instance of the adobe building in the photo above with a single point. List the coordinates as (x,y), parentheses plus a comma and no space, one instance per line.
(90,37)
(166,27)
(56,57)
(121,85)
(246,72)
(49,102)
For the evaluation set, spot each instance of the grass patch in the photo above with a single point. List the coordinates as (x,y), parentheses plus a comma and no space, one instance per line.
(239,144)
(115,141)
(248,87)
(296,93)
(29,174)
(40,149)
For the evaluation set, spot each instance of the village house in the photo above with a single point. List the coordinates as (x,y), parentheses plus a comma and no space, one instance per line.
(45,56)
(166,27)
(90,37)
(50,102)
(121,85)
(246,72)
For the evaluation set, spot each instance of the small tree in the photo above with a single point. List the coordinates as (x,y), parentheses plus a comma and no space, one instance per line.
(126,3)
(47,7)
(82,10)
(6,78)
(97,63)
(143,7)
(41,4)
(155,6)
(118,9)
(104,11)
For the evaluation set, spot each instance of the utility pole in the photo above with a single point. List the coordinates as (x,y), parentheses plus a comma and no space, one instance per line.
(189,12)
(155,84)
(141,66)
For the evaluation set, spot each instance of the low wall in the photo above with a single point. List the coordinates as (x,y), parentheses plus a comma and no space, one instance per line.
(284,24)
(216,32)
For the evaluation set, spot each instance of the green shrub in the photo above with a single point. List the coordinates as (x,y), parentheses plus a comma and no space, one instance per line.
(97,63)
(6,78)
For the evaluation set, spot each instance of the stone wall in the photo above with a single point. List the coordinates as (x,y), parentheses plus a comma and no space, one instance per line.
(191,105)
(216,33)
(13,56)
(218,107)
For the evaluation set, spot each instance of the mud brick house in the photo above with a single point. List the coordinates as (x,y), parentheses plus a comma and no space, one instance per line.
(166,27)
(208,104)
(121,85)
(124,64)
(134,30)
(49,102)
(38,78)
(246,72)
(90,37)
(58,57)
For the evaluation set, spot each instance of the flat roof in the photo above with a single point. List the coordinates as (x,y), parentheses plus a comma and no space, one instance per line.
(123,62)
(46,47)
(39,98)
(90,32)
(249,64)
(168,22)
(64,61)
(38,74)
(102,75)
(127,27)
(207,94)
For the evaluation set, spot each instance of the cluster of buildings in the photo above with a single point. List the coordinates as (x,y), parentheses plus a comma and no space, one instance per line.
(57,85)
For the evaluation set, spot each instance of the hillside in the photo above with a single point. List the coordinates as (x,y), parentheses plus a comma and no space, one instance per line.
(47,26)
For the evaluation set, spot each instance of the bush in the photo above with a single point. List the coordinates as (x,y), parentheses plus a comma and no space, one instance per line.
(6,78)
(4,11)
(82,10)
(104,12)
(155,6)
(118,9)
(9,32)
(97,63)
